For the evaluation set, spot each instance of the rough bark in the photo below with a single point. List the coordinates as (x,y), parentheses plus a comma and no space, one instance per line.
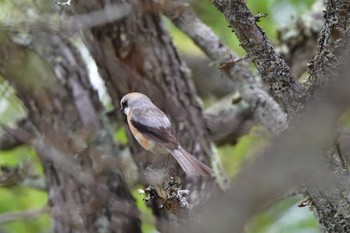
(323,67)
(138,55)
(135,53)
(71,137)
(328,201)
(293,160)
(262,106)
(270,65)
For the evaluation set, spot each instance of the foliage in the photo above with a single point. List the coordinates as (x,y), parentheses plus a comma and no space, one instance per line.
(147,217)
(21,198)
(285,217)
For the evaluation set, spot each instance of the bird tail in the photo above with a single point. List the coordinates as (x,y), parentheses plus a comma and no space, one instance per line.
(189,163)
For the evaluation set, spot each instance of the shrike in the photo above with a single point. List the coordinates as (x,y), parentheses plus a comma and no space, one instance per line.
(152,129)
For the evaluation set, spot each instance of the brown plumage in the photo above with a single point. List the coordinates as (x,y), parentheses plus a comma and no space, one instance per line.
(152,129)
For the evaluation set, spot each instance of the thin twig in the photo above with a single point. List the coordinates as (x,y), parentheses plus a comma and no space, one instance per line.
(24,215)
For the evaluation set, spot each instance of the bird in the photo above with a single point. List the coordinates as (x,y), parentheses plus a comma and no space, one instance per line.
(153,131)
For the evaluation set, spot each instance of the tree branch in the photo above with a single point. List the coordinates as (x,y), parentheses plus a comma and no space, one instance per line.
(140,48)
(270,65)
(227,122)
(262,106)
(322,67)
(24,215)
(297,40)
(294,159)
(75,145)
(7,142)
(24,132)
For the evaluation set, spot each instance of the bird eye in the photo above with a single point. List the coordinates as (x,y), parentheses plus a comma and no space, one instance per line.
(124,104)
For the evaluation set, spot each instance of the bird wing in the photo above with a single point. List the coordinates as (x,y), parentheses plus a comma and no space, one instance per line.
(153,123)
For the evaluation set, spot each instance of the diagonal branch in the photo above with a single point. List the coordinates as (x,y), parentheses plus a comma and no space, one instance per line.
(23,215)
(323,67)
(293,160)
(270,65)
(24,132)
(261,104)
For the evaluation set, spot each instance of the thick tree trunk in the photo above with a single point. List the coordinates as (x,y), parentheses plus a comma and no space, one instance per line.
(137,54)
(73,141)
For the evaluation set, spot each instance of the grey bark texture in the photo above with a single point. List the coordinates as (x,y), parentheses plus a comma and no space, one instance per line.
(84,166)
(137,55)
(86,190)
(261,104)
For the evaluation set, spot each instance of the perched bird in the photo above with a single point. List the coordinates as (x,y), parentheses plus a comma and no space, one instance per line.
(152,129)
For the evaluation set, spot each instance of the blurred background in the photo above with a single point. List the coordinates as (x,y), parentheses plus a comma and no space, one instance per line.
(284,217)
